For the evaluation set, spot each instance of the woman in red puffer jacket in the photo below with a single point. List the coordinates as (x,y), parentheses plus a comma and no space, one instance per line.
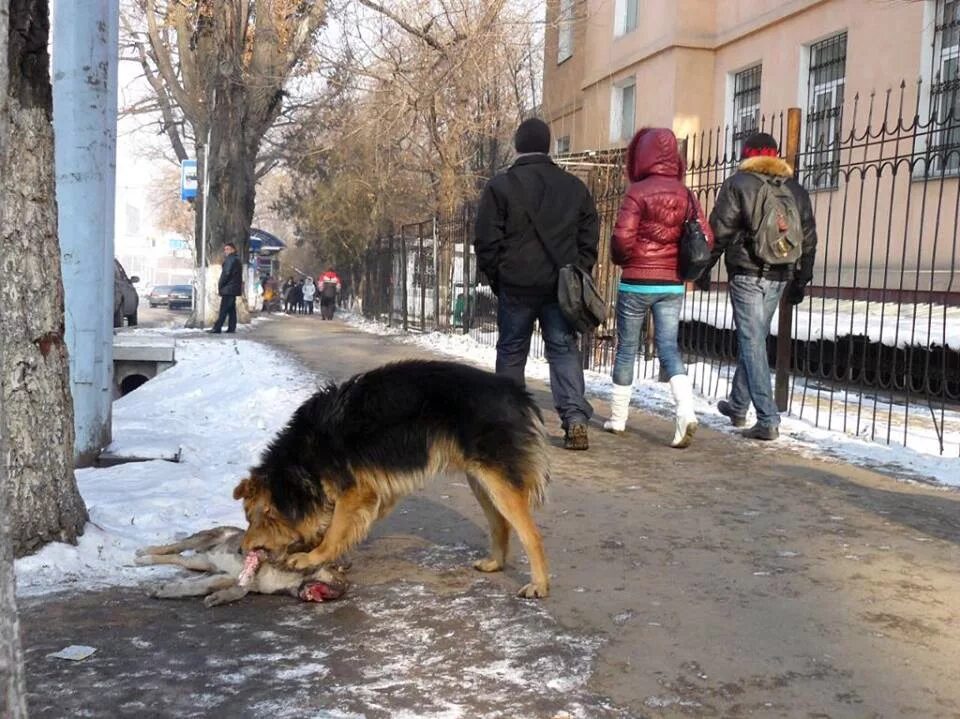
(646,243)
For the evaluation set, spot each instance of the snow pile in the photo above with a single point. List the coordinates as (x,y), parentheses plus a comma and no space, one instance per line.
(220,405)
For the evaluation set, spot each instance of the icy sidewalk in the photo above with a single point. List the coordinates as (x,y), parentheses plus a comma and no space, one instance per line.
(220,404)
(921,462)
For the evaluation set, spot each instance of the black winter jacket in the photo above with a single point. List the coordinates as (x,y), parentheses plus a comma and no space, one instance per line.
(513,259)
(231,277)
(732,221)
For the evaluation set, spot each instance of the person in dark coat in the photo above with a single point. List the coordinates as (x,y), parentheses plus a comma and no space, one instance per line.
(755,288)
(523,275)
(646,245)
(230,285)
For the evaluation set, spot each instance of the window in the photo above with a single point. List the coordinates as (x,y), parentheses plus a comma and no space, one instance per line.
(625,16)
(623,104)
(943,152)
(828,71)
(745,119)
(565,31)
(562,145)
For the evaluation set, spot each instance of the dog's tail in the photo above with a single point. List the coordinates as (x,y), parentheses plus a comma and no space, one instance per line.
(536,470)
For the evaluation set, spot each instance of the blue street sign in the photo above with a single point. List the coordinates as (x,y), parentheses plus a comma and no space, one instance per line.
(188,179)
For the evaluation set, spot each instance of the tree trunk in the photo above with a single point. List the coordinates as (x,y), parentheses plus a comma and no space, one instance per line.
(233,188)
(37,416)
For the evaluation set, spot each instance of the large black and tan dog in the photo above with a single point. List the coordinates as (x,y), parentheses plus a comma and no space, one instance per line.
(351,452)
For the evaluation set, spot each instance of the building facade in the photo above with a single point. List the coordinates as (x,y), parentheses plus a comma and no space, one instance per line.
(877,83)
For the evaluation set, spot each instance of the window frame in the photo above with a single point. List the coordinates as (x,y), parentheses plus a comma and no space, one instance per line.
(823,174)
(735,114)
(565,21)
(617,105)
(622,18)
(940,124)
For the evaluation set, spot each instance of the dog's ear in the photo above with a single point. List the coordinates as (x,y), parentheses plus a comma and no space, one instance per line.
(247,488)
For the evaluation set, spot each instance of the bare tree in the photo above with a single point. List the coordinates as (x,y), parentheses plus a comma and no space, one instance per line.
(218,69)
(422,97)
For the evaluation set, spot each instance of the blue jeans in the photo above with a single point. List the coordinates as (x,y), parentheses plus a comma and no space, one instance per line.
(632,308)
(515,318)
(754,301)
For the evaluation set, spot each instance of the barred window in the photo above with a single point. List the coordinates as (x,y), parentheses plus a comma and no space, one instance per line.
(562,145)
(746,107)
(565,30)
(825,85)
(943,152)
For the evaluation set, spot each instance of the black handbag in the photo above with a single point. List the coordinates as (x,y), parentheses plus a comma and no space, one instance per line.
(580,302)
(694,255)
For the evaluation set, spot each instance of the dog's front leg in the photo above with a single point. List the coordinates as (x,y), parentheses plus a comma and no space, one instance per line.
(354,513)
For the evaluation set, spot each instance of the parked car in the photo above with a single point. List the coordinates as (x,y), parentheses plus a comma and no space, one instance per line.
(180,297)
(160,296)
(125,299)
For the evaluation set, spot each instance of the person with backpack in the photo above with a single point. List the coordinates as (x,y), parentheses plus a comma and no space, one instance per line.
(329,284)
(646,245)
(763,224)
(534,222)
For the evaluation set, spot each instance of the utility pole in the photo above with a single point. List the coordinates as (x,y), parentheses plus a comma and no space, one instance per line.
(85,51)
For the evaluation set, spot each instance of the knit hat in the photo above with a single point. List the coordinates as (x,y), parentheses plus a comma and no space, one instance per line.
(533,135)
(760,144)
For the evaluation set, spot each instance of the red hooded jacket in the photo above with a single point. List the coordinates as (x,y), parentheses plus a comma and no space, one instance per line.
(646,238)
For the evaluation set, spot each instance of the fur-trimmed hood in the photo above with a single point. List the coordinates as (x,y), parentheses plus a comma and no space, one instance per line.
(775,166)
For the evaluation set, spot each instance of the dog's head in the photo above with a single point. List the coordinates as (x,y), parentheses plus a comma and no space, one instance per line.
(269,530)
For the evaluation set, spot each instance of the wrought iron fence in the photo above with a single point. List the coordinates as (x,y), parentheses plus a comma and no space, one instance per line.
(873,351)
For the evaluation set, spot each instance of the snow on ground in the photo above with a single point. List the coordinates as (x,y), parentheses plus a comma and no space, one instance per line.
(889,323)
(220,405)
(920,461)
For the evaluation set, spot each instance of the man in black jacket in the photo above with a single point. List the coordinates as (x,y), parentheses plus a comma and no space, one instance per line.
(755,287)
(230,285)
(524,277)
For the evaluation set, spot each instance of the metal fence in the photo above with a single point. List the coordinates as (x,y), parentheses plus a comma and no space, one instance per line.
(873,351)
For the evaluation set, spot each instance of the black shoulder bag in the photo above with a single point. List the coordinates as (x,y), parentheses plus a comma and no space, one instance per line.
(579,300)
(694,255)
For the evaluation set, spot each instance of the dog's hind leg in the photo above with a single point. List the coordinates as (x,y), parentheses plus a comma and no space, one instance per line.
(197,587)
(225,596)
(514,504)
(499,530)
(354,513)
(198,542)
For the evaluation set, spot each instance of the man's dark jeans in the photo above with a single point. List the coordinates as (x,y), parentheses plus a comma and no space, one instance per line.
(515,320)
(228,309)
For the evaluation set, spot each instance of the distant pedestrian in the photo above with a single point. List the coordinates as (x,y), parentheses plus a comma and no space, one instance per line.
(309,290)
(285,293)
(229,286)
(532,206)
(330,286)
(646,245)
(764,225)
(295,298)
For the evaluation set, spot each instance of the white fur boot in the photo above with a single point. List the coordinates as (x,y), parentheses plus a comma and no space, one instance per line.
(686,420)
(619,408)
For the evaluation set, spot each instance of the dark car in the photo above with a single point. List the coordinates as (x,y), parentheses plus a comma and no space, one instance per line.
(160,296)
(125,298)
(180,297)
